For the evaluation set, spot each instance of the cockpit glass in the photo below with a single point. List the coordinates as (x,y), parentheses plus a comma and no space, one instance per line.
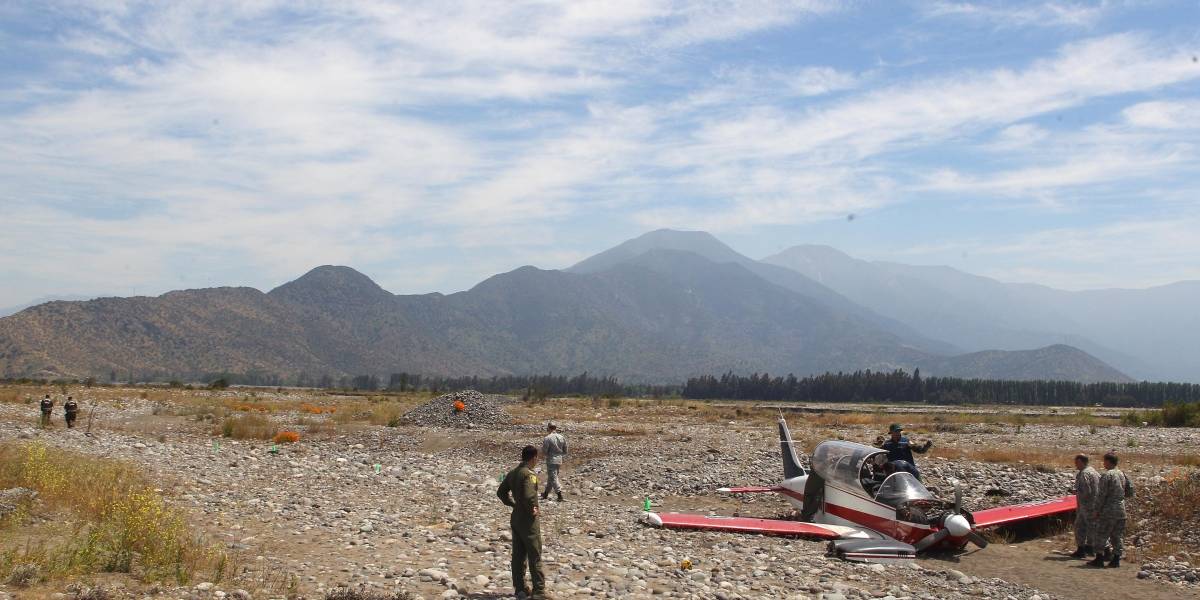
(901,487)
(842,462)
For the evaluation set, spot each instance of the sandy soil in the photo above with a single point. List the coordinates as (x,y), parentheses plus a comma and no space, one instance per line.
(1044,564)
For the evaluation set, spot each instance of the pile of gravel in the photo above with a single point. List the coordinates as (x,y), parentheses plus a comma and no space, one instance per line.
(480,411)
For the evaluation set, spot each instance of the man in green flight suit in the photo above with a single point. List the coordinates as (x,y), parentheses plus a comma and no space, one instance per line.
(520,491)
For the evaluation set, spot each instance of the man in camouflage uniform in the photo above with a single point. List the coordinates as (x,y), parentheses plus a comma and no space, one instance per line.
(1109,512)
(70,412)
(1087,483)
(554,448)
(47,408)
(519,490)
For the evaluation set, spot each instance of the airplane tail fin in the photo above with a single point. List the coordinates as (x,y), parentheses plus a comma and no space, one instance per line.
(791,463)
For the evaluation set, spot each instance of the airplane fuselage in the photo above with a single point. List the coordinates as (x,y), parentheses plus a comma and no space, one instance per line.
(849,509)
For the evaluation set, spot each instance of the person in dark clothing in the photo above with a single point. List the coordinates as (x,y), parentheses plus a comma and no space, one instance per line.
(901,451)
(47,407)
(520,491)
(70,411)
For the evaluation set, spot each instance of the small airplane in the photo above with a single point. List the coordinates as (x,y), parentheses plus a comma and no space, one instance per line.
(866,516)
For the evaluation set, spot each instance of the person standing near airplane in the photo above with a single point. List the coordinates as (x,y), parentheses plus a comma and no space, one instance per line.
(900,451)
(1087,483)
(1108,513)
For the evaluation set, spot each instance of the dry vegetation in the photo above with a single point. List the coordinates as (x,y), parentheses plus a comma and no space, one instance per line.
(108,518)
(1174,502)
(248,427)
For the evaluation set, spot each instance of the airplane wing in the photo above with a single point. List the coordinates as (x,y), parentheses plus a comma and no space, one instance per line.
(1007,515)
(752,489)
(754,525)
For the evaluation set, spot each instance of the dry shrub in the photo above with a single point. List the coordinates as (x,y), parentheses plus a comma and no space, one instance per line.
(248,426)
(313,409)
(1159,512)
(11,397)
(1177,499)
(388,414)
(362,593)
(286,437)
(356,411)
(124,524)
(621,431)
(1188,460)
(841,419)
(313,427)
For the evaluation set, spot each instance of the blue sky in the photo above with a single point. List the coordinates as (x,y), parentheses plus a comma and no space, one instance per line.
(149,146)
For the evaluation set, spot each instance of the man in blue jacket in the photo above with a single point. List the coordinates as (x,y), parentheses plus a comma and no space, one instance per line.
(900,451)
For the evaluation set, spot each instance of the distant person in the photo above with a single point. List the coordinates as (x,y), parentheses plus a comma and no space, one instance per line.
(554,448)
(1087,483)
(70,411)
(47,407)
(900,451)
(519,490)
(1109,513)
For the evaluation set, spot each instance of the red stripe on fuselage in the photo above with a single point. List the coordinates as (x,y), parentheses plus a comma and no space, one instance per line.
(904,531)
(792,494)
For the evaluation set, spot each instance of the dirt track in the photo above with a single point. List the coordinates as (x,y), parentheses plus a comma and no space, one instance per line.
(1043,565)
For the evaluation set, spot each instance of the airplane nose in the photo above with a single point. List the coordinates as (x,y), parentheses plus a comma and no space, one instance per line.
(957,525)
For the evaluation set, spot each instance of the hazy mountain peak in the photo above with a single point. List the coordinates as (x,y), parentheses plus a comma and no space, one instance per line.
(331,285)
(1052,363)
(814,250)
(696,242)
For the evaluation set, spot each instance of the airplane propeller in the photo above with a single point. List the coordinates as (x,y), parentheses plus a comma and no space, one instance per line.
(954,524)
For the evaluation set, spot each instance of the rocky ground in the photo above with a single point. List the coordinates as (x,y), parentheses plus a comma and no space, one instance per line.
(413,507)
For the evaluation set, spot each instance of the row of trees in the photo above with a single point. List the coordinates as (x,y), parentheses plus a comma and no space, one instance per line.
(860,386)
(537,386)
(899,386)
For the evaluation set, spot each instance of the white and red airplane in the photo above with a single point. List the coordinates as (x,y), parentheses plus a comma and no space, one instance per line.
(866,519)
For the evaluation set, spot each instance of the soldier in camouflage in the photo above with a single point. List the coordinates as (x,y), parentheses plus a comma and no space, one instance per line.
(1109,513)
(1087,483)
(519,490)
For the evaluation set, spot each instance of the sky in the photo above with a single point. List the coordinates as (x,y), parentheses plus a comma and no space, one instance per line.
(151,146)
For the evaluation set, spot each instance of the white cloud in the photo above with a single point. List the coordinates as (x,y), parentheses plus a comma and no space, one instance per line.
(755,158)
(1164,114)
(1007,14)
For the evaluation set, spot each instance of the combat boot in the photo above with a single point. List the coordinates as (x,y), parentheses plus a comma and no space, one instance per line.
(545,494)
(1098,561)
(1080,552)
(560,499)
(1116,562)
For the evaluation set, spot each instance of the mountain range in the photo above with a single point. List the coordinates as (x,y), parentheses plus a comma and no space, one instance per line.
(658,308)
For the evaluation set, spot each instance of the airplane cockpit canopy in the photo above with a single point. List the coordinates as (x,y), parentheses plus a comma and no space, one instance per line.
(901,487)
(842,462)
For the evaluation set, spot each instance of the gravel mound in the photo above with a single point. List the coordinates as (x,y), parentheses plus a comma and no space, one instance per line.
(478,411)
